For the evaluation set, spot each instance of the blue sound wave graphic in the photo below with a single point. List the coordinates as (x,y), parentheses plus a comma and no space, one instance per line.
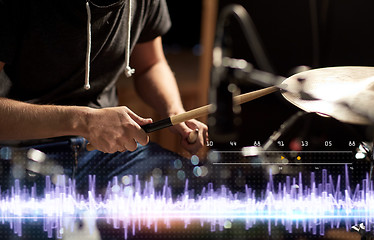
(130,206)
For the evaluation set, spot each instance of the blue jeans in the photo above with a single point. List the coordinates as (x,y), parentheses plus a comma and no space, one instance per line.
(78,163)
(72,158)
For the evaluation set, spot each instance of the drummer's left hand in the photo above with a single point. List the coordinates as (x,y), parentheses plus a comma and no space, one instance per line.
(186,128)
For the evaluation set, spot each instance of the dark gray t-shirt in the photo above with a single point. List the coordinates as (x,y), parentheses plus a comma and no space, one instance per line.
(43,43)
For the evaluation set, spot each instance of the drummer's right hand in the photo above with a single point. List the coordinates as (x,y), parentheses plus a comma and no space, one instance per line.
(115,129)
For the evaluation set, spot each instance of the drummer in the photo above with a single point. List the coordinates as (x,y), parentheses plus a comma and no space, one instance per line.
(59,65)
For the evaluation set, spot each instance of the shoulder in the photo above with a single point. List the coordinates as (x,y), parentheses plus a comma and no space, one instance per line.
(155,18)
(151,8)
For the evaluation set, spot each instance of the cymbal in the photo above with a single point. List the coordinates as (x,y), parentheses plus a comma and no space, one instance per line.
(344,93)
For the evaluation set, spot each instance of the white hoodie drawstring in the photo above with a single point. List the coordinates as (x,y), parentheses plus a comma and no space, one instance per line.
(128,70)
(88,50)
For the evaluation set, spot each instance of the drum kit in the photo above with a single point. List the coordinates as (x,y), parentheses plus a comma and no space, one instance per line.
(342,97)
(335,100)
(337,104)
(343,94)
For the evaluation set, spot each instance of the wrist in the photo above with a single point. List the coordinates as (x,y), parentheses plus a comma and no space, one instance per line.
(175,111)
(77,120)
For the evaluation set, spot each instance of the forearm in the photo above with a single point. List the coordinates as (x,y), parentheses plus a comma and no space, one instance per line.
(158,88)
(154,81)
(21,121)
(156,84)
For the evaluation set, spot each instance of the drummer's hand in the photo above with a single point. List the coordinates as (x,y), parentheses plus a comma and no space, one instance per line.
(185,129)
(115,129)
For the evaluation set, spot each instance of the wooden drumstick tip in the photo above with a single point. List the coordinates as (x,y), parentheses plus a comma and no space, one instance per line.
(192,137)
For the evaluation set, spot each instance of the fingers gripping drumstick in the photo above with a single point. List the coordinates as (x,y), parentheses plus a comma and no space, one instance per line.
(199,112)
(192,137)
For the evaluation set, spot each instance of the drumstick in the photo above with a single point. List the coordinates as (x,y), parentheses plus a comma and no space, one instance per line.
(199,112)
(204,110)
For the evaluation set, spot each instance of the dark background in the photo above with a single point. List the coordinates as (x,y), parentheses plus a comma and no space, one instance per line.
(315,33)
(344,30)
